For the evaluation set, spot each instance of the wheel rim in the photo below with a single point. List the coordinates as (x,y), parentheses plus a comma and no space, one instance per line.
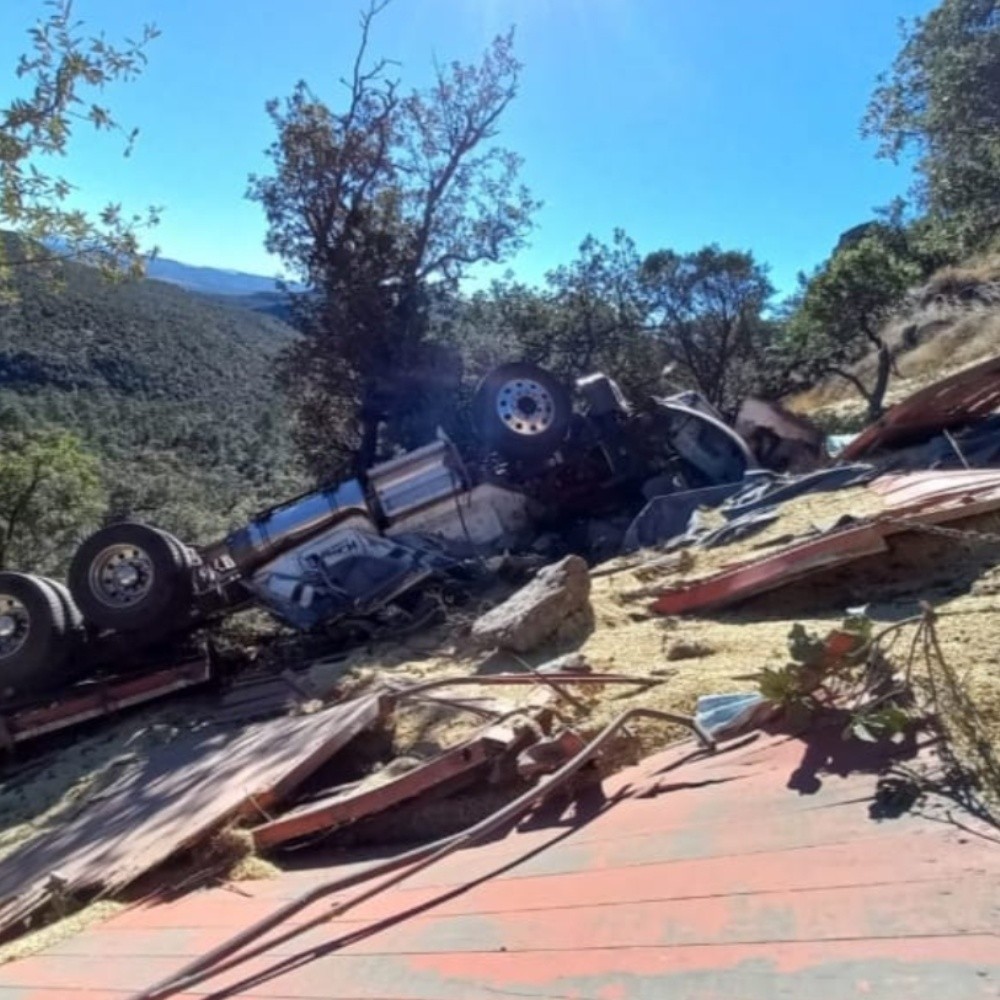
(15,623)
(526,407)
(121,576)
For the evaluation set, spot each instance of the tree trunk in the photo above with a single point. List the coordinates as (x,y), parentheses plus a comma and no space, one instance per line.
(877,397)
(364,459)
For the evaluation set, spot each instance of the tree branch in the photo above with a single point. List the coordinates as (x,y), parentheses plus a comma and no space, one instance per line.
(854,380)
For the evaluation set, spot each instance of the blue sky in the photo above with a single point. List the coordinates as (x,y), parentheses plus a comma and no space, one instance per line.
(683,121)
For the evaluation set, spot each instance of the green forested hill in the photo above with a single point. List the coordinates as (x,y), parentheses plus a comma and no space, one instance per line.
(174,392)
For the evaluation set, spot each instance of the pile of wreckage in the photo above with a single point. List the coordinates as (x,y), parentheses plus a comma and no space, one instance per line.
(290,762)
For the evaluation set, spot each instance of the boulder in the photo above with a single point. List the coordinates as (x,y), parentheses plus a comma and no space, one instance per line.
(571,663)
(554,604)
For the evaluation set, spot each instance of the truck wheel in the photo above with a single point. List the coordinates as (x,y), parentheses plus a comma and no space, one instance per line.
(130,577)
(33,641)
(183,552)
(522,411)
(73,615)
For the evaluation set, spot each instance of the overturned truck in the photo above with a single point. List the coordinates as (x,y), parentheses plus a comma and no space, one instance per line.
(359,547)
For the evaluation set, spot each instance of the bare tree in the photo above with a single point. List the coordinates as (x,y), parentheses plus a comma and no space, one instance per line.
(379,209)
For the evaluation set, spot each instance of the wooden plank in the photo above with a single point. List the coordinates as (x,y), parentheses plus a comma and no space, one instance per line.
(337,810)
(180,792)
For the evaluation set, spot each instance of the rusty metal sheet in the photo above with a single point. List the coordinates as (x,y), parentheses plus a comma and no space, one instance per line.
(771,572)
(716,877)
(182,790)
(966,396)
(834,549)
(337,810)
(931,487)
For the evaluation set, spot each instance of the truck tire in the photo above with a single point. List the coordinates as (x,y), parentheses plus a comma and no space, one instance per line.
(73,615)
(130,577)
(522,411)
(34,646)
(184,553)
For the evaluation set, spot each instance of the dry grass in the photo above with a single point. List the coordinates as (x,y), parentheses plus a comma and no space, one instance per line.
(628,638)
(952,281)
(230,855)
(52,934)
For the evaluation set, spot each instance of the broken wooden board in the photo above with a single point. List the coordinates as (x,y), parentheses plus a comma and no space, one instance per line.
(182,791)
(264,696)
(359,802)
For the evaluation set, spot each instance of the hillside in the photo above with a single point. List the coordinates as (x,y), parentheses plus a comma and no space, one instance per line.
(946,325)
(173,390)
(209,280)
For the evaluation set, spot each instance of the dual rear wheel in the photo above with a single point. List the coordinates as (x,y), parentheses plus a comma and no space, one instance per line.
(131,578)
(128,577)
(36,635)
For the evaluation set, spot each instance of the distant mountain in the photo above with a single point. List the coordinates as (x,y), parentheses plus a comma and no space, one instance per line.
(232,288)
(210,280)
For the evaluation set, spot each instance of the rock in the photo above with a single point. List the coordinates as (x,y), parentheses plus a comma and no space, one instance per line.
(555,604)
(686,650)
(571,663)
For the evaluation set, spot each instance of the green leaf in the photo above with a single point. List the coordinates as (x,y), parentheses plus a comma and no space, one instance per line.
(862,732)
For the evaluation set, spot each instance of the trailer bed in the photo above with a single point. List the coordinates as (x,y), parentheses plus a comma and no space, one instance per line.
(94,699)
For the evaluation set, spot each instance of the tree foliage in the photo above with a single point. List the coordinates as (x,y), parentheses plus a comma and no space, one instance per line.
(707,308)
(596,311)
(843,311)
(50,495)
(174,393)
(941,100)
(380,206)
(64,76)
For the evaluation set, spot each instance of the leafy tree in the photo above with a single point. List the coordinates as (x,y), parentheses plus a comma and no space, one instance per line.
(64,74)
(843,309)
(941,100)
(590,315)
(708,309)
(601,310)
(50,495)
(380,207)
